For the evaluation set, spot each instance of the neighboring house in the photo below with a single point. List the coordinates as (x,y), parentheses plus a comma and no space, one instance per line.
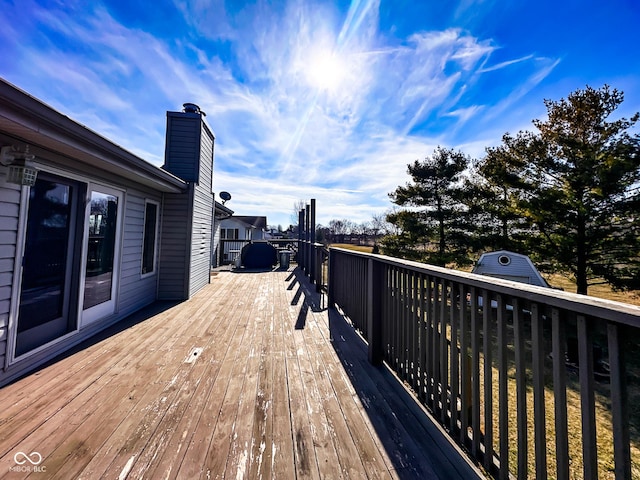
(220,212)
(242,229)
(274,233)
(99,233)
(239,227)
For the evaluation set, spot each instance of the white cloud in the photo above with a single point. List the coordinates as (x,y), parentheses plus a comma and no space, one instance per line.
(280,137)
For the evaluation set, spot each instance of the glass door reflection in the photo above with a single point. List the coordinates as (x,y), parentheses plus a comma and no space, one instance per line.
(101,253)
(49,250)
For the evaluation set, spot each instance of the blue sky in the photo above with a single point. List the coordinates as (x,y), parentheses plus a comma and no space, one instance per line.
(325,100)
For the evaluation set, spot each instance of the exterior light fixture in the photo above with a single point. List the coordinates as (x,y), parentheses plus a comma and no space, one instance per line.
(20,168)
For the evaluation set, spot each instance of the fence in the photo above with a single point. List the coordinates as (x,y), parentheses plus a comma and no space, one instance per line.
(488,358)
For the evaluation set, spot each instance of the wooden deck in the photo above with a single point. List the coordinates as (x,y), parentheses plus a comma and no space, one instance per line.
(248,379)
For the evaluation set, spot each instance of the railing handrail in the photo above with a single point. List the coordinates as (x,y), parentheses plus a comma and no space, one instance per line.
(455,338)
(605,309)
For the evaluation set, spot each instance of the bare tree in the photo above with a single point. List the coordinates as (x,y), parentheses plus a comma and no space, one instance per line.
(298,205)
(380,225)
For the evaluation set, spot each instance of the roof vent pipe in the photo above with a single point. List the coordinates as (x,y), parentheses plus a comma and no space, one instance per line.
(192,108)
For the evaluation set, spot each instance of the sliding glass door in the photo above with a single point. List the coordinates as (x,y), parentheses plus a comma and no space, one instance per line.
(69,274)
(102,247)
(48,297)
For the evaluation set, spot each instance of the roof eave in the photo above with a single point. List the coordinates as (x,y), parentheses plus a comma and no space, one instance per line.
(32,121)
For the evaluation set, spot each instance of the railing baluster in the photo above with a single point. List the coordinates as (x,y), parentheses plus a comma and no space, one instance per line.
(503,393)
(455,370)
(393,316)
(444,363)
(560,393)
(399,324)
(436,343)
(405,323)
(488,379)
(429,341)
(424,317)
(465,366)
(587,400)
(521,390)
(619,403)
(475,371)
(538,393)
(386,295)
(415,330)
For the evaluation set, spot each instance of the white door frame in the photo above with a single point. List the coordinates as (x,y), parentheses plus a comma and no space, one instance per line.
(92,314)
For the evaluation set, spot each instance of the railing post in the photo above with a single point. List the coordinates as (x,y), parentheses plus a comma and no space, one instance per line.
(330,282)
(317,268)
(307,238)
(312,239)
(301,239)
(374,318)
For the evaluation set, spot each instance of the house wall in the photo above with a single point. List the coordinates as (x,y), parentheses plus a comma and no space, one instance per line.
(66,149)
(187,220)
(175,240)
(134,290)
(244,232)
(215,249)
(200,267)
(9,210)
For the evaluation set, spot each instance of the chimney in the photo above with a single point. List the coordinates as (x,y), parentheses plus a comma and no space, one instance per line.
(183,147)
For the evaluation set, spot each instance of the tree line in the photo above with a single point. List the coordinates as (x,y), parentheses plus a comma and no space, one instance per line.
(566,194)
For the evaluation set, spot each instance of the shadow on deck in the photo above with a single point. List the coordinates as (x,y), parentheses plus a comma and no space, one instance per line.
(251,378)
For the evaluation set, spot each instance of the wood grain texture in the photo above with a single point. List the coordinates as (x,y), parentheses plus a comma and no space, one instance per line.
(279,388)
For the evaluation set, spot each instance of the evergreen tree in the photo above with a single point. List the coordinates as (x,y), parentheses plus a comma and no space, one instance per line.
(580,188)
(432,228)
(497,189)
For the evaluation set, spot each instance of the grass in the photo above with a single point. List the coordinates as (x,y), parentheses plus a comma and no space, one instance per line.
(357,248)
(604,429)
(599,291)
(602,398)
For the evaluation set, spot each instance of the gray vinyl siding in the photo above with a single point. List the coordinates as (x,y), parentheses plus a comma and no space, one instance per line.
(135,291)
(183,145)
(202,217)
(187,219)
(9,213)
(174,246)
(215,254)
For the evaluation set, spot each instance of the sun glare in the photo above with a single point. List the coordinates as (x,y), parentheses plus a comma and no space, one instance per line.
(325,71)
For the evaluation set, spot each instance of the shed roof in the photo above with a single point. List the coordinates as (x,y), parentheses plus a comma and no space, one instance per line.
(510,266)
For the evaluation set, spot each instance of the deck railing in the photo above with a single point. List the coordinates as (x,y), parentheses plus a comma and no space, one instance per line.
(313,258)
(489,358)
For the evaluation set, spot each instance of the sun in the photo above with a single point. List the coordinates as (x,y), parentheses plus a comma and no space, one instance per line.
(326,71)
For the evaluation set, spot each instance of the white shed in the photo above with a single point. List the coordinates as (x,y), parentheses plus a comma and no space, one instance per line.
(509,266)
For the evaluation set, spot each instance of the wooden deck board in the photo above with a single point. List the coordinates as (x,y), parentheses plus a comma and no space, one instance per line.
(279,389)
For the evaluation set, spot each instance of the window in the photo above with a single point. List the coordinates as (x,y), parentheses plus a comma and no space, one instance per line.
(149,238)
(229,234)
